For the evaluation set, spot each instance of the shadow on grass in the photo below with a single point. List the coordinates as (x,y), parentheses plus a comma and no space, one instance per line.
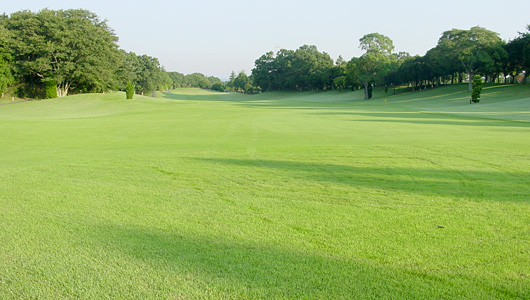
(429,119)
(205,96)
(476,185)
(268,99)
(266,272)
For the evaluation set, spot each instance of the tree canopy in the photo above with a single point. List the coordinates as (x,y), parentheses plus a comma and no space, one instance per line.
(303,69)
(376,61)
(77,52)
(6,76)
(475,49)
(458,55)
(73,48)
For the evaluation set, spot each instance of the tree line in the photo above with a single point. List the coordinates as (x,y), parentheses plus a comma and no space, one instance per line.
(56,52)
(458,56)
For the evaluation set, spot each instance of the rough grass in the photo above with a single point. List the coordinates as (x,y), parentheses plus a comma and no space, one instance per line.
(197,195)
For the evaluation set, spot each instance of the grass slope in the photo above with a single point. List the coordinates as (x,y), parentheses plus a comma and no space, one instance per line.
(198,195)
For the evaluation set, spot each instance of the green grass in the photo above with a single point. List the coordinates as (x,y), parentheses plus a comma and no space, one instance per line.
(202,195)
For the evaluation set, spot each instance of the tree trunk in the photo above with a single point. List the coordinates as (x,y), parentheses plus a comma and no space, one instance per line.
(366,90)
(470,77)
(62,90)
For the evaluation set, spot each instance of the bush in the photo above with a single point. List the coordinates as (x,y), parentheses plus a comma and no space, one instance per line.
(129,90)
(477,89)
(51,90)
(218,87)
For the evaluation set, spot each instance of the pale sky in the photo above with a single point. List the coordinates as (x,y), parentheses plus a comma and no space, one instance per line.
(215,37)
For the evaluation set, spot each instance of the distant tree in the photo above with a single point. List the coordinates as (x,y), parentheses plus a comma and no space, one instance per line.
(164,80)
(442,63)
(241,81)
(197,80)
(526,52)
(519,55)
(253,90)
(146,75)
(473,48)
(6,76)
(218,87)
(339,82)
(230,82)
(177,79)
(340,61)
(72,47)
(375,62)
(214,80)
(477,89)
(353,78)
(264,71)
(128,68)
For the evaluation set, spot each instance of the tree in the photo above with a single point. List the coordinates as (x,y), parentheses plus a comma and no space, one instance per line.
(127,69)
(263,71)
(6,76)
(477,89)
(241,81)
(338,73)
(197,80)
(471,48)
(519,55)
(218,87)
(375,62)
(353,78)
(230,83)
(441,63)
(526,52)
(302,69)
(149,75)
(164,81)
(72,47)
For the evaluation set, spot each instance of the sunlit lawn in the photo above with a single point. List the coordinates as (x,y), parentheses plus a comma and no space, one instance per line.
(197,195)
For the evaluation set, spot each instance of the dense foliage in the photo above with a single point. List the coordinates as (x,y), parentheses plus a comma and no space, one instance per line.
(77,52)
(6,76)
(303,69)
(129,90)
(51,89)
(458,56)
(197,80)
(73,48)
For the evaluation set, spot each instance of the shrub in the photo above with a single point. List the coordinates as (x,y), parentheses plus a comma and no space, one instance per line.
(218,87)
(129,90)
(254,90)
(51,90)
(477,88)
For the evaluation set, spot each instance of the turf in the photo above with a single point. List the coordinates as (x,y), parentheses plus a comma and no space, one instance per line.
(202,195)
